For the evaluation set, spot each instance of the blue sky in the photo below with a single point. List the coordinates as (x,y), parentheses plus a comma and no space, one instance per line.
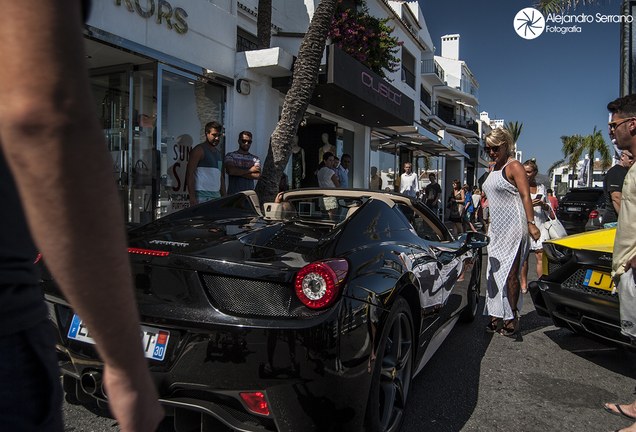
(556,84)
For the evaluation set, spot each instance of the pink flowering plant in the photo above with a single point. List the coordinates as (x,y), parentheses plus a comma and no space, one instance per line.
(366,38)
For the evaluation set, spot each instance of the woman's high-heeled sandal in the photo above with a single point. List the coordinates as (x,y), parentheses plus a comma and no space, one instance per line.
(506,330)
(495,325)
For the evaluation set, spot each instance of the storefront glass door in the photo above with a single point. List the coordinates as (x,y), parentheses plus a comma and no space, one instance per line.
(129,133)
(149,152)
(111,95)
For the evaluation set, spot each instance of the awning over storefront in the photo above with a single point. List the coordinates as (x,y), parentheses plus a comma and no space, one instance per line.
(351,90)
(422,141)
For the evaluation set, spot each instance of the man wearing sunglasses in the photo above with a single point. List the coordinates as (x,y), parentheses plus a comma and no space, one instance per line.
(241,166)
(623,128)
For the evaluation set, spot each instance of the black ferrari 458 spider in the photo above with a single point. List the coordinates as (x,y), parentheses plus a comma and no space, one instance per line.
(313,314)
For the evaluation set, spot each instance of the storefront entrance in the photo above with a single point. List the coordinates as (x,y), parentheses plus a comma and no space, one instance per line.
(135,101)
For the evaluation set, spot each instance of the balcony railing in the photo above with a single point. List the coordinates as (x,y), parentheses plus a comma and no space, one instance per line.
(432,67)
(469,87)
(425,97)
(448,118)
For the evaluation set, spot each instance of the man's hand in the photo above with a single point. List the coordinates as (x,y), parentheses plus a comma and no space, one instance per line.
(193,200)
(631,264)
(135,410)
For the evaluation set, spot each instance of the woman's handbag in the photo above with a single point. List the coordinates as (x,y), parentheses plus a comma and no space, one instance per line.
(552,229)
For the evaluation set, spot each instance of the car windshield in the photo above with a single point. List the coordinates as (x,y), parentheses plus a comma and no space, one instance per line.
(583,196)
(322,209)
(333,210)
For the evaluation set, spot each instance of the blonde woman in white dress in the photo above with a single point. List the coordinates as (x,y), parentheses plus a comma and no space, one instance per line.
(539,197)
(511,220)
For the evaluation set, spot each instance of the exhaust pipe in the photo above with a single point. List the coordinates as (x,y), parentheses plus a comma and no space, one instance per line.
(91,382)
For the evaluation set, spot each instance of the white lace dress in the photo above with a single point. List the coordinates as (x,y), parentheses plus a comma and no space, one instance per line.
(508,234)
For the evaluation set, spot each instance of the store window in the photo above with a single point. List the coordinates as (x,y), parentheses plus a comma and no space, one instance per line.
(384,169)
(187,104)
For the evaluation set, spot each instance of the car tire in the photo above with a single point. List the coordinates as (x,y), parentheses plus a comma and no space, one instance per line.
(474,290)
(392,372)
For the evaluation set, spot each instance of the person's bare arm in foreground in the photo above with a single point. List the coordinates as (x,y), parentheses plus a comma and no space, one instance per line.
(57,154)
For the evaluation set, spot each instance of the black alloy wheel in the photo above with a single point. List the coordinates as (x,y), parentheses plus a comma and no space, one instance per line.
(474,289)
(393,371)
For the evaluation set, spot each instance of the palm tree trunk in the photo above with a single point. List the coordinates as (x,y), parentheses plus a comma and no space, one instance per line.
(297,99)
(263,24)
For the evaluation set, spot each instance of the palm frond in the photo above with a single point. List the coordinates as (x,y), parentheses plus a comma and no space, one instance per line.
(553,6)
(555,166)
(514,129)
(597,144)
(561,6)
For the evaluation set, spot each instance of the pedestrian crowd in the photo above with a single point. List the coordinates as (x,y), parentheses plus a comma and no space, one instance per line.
(206,169)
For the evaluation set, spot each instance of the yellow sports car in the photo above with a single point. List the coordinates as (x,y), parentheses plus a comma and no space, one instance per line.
(576,289)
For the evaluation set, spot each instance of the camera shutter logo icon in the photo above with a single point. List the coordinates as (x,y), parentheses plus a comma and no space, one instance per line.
(529,23)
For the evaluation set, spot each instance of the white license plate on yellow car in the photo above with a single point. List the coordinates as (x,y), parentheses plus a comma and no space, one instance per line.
(597,279)
(155,341)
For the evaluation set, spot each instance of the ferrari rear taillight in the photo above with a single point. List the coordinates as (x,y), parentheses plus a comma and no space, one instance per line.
(593,214)
(319,284)
(256,402)
(148,252)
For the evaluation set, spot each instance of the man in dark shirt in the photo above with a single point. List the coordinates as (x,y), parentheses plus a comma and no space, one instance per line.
(242,167)
(433,191)
(613,188)
(59,199)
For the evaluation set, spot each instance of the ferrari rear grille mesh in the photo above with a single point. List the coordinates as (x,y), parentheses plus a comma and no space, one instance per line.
(247,297)
(575,283)
(552,266)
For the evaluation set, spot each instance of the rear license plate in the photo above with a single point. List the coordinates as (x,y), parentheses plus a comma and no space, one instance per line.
(573,209)
(597,279)
(154,340)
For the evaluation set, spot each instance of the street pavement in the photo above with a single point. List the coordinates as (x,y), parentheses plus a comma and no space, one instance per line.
(548,379)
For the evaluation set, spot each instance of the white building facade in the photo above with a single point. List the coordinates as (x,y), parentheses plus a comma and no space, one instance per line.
(161,70)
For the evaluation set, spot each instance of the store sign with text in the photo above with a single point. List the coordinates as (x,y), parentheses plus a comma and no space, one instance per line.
(178,157)
(159,10)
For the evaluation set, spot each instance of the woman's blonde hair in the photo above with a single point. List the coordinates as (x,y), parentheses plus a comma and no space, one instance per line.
(532,163)
(498,137)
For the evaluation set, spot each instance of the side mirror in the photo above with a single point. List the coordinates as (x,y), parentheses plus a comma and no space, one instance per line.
(477,240)
(472,240)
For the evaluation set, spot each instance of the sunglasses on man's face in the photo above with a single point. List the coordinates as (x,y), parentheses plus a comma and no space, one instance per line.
(246,141)
(614,125)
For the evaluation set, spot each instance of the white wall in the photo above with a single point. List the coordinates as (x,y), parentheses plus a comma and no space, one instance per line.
(210,40)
